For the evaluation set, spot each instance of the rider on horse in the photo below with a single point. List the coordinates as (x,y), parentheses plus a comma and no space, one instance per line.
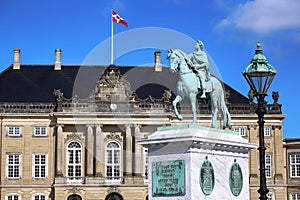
(198,61)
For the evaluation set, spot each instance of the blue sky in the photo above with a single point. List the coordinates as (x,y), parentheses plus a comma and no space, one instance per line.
(229,30)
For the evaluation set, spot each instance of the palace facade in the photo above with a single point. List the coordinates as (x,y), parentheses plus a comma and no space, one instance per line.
(70,132)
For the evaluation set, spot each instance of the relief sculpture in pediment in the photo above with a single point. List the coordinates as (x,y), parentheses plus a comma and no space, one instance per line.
(112,86)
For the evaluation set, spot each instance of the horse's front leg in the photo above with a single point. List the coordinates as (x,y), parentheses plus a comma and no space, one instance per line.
(175,102)
(193,104)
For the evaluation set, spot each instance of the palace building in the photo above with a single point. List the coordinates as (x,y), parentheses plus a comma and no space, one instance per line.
(70,132)
(292,156)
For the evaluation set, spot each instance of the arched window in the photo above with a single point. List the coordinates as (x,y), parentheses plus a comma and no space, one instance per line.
(114,196)
(74,162)
(113,162)
(74,197)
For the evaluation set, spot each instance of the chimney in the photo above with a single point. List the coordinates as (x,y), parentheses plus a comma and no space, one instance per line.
(16,65)
(57,64)
(158,65)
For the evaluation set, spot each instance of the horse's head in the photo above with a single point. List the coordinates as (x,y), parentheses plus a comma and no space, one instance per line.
(174,60)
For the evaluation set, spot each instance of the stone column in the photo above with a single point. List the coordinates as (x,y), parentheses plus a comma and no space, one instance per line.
(99,150)
(90,150)
(138,164)
(128,151)
(59,149)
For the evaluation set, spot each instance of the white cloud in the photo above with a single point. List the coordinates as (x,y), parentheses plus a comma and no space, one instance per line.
(264,16)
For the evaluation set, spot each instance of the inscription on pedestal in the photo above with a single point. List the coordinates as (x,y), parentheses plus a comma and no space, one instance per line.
(236,179)
(207,177)
(168,178)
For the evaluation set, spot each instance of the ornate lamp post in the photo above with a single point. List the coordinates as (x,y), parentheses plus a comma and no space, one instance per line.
(259,75)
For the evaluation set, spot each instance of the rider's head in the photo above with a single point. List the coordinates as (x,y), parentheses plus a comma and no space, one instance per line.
(200,44)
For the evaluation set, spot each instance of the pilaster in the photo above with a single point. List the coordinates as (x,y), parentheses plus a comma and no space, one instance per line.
(99,150)
(128,152)
(279,176)
(138,152)
(59,151)
(90,150)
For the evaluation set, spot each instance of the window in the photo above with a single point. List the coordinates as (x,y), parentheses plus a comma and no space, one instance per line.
(294,196)
(113,162)
(14,131)
(13,197)
(271,196)
(40,166)
(240,130)
(74,162)
(40,131)
(267,131)
(146,164)
(13,163)
(39,197)
(268,165)
(295,165)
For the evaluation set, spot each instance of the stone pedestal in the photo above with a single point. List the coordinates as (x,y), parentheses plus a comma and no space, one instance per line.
(193,163)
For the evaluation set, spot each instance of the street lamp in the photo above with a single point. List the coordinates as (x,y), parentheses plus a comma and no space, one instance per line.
(259,75)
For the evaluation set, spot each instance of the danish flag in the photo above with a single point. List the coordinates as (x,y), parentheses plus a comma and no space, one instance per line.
(118,19)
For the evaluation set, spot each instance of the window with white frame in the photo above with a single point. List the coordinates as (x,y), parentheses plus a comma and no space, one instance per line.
(295,165)
(271,196)
(13,164)
(40,166)
(267,131)
(240,130)
(74,162)
(294,196)
(146,164)
(14,131)
(40,131)
(12,197)
(113,162)
(39,197)
(268,165)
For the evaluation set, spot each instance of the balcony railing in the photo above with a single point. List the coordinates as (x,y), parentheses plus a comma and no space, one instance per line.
(75,180)
(128,107)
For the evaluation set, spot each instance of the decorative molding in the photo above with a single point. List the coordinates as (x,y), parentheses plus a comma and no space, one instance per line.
(74,136)
(75,190)
(276,127)
(113,136)
(254,127)
(113,189)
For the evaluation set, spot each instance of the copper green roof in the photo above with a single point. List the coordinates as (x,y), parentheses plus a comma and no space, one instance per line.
(259,63)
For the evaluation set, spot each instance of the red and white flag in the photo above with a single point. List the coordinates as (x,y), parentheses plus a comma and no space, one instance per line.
(118,19)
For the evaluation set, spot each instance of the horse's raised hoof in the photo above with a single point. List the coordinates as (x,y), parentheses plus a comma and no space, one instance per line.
(179,117)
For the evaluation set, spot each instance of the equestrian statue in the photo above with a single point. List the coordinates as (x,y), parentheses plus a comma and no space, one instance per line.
(196,82)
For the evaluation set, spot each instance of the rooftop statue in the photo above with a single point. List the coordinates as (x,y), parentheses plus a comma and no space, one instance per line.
(196,82)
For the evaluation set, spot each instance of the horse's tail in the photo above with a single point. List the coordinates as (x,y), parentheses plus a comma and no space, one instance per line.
(225,112)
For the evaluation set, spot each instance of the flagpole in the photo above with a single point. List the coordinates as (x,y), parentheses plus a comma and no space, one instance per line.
(112,42)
